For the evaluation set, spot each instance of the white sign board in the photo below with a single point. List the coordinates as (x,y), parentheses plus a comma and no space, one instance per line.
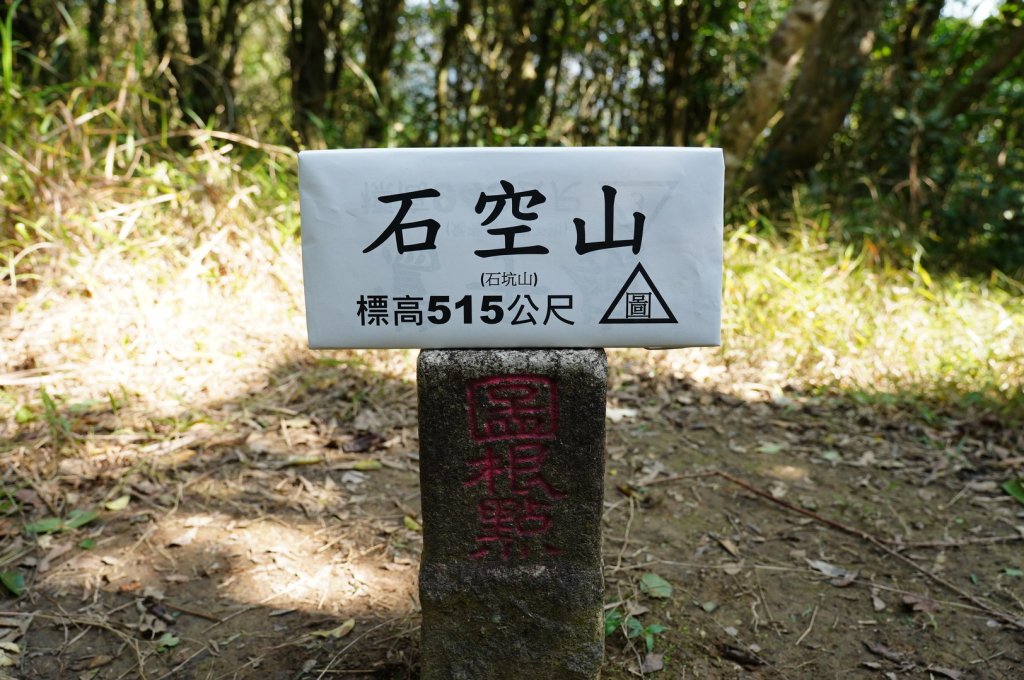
(546,247)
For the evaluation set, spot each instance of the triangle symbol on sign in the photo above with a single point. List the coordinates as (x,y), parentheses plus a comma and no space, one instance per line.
(638,301)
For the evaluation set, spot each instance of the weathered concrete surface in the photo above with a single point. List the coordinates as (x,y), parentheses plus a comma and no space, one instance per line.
(511,472)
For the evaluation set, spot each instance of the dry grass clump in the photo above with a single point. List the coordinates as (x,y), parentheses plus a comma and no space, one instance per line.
(177,283)
(810,313)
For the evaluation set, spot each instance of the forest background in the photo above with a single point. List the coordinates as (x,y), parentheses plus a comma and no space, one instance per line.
(875,203)
(155,381)
(904,113)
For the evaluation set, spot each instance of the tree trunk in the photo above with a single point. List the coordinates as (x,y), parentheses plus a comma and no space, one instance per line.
(550,51)
(202,69)
(308,55)
(516,49)
(822,95)
(679,36)
(94,29)
(919,21)
(449,43)
(381,29)
(766,88)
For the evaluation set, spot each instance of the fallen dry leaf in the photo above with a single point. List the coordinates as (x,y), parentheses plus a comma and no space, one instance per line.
(363,442)
(653,663)
(90,662)
(55,552)
(150,625)
(176,578)
(336,633)
(881,650)
(741,656)
(267,443)
(29,497)
(838,576)
(921,603)
(825,568)
(14,626)
(184,538)
(728,546)
(618,414)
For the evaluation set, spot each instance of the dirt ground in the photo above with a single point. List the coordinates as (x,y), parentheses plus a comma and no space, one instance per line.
(276,535)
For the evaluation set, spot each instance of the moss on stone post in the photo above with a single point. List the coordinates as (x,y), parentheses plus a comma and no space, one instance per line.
(512,473)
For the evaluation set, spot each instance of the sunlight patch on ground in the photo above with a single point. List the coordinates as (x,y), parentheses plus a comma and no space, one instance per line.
(167,335)
(808,314)
(264,562)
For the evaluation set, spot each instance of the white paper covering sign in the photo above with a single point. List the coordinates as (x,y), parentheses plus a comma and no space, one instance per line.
(548,247)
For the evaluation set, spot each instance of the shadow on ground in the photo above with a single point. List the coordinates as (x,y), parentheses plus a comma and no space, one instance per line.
(276,535)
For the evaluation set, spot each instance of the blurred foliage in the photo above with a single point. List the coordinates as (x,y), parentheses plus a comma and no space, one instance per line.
(923,161)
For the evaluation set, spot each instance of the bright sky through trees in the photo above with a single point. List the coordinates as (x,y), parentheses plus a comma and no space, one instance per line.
(975,10)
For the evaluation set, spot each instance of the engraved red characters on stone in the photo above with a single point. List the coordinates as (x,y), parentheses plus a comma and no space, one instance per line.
(514,417)
(524,470)
(503,523)
(512,407)
(487,468)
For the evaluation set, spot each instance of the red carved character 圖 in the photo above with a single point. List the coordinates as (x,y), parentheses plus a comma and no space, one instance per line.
(512,407)
(515,415)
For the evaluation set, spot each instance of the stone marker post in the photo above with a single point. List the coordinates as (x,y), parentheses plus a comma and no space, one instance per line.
(511,473)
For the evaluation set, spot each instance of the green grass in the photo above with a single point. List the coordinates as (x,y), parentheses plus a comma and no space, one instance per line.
(83,179)
(819,314)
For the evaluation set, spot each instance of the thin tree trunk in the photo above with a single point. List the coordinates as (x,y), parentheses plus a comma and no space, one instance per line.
(94,30)
(766,88)
(550,52)
(679,35)
(515,46)
(308,55)
(203,73)
(833,67)
(449,42)
(381,31)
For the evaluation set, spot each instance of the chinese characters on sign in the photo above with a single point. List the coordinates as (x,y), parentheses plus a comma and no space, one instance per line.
(513,418)
(509,233)
(377,310)
(508,279)
(397,227)
(545,247)
(373,310)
